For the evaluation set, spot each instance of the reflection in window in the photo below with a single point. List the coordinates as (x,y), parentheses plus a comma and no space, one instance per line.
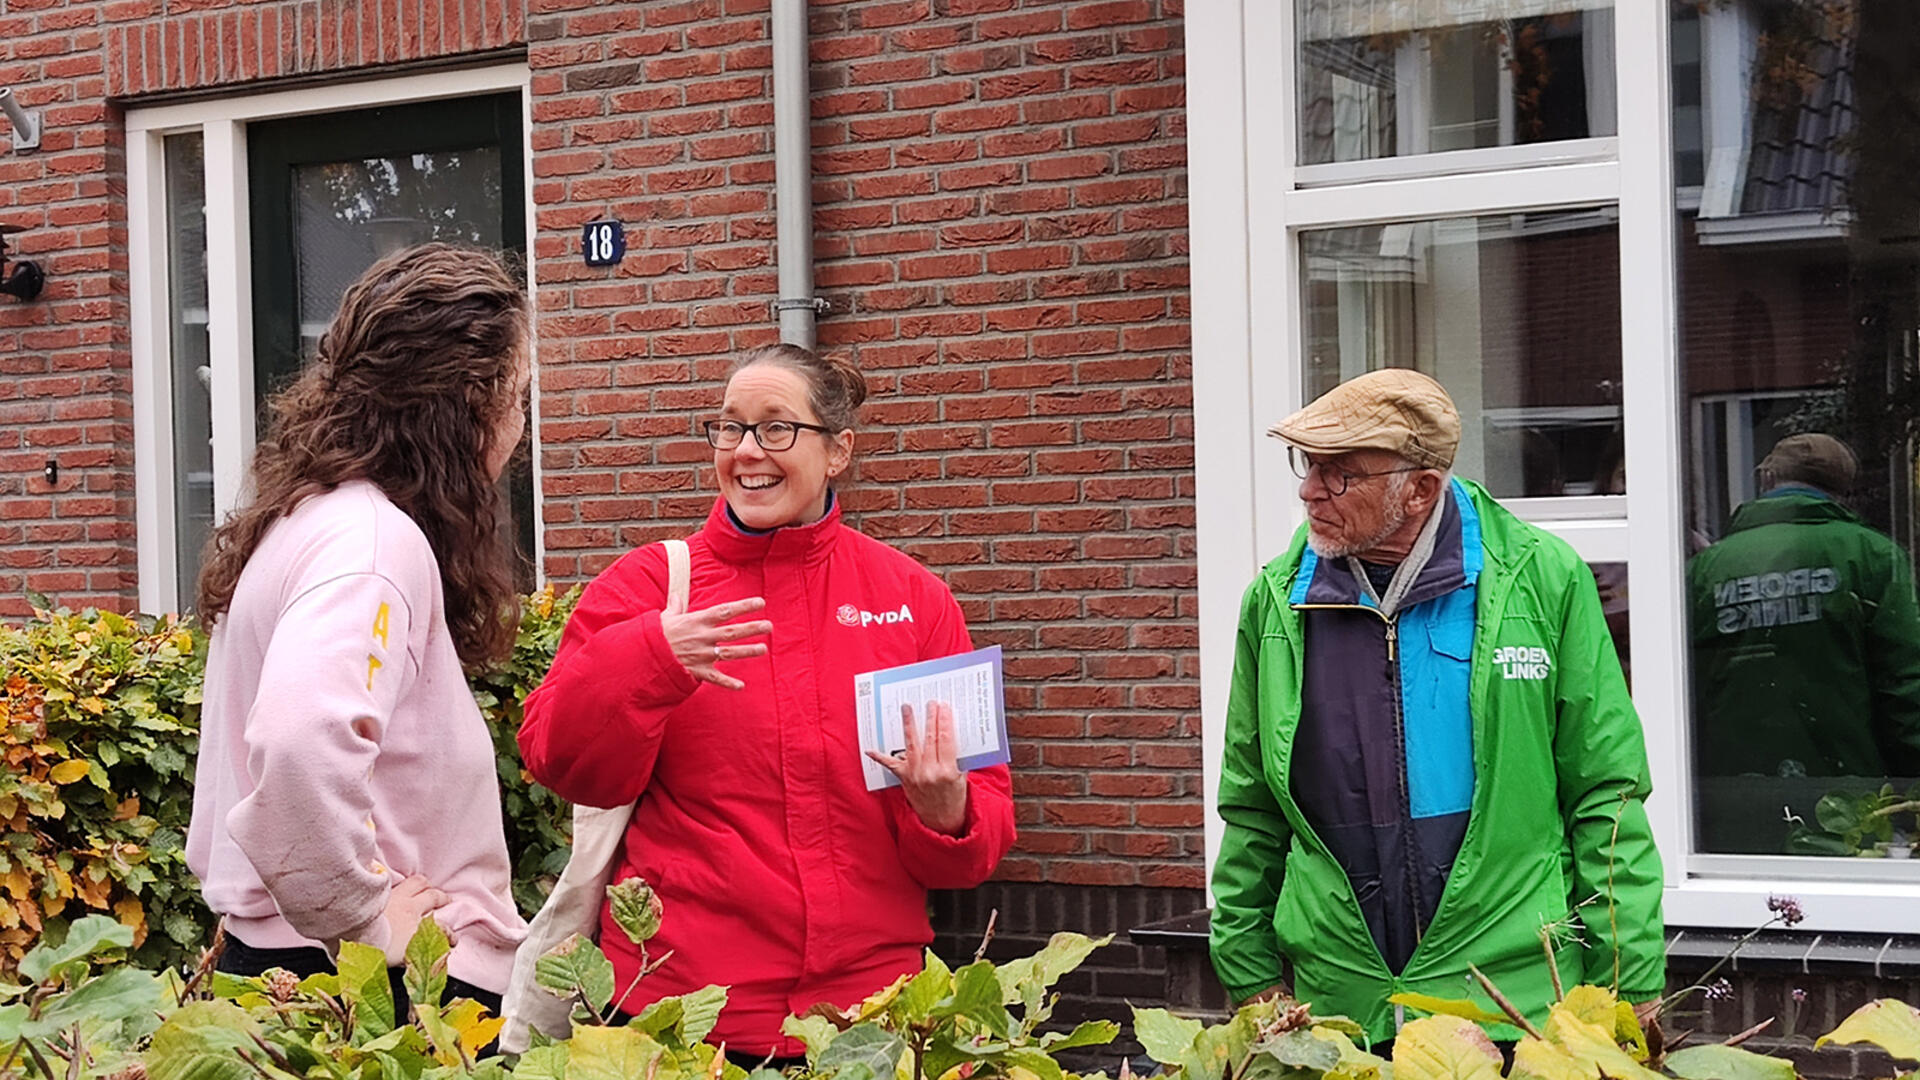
(1611,578)
(349,214)
(1799,274)
(192,403)
(1381,79)
(1517,315)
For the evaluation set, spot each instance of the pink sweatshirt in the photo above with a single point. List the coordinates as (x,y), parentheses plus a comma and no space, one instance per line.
(340,747)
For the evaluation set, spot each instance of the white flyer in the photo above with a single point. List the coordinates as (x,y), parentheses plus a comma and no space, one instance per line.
(970,682)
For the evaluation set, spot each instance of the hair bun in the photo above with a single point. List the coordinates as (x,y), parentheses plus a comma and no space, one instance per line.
(851,378)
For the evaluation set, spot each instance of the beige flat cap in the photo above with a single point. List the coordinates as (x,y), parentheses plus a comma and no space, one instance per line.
(1394,409)
(1811,458)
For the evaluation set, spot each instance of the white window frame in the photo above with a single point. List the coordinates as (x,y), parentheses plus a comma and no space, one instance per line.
(1249,204)
(222,123)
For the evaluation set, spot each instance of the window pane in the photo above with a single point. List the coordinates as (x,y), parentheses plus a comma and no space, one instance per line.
(1383,78)
(187,317)
(1517,315)
(349,214)
(1799,276)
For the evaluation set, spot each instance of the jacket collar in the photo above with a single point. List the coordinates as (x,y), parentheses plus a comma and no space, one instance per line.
(1458,557)
(1792,505)
(734,542)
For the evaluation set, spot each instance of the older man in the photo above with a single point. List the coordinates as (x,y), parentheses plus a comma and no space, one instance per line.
(1430,751)
(1806,654)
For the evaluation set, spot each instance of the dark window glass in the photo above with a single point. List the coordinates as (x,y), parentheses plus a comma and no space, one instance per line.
(1799,276)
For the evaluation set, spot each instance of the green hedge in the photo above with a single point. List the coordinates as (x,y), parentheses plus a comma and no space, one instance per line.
(102,725)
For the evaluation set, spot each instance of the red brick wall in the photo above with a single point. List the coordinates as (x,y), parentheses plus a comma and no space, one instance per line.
(65,375)
(63,359)
(1000,228)
(1000,223)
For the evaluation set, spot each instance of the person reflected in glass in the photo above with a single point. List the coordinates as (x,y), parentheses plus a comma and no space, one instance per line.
(734,725)
(1806,651)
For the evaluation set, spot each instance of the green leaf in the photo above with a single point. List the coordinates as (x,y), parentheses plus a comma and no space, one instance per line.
(1594,1004)
(1593,1046)
(863,1044)
(815,1032)
(1840,813)
(199,1042)
(365,986)
(1890,1024)
(924,990)
(1090,1033)
(659,1018)
(977,996)
(1355,1063)
(1301,1049)
(1167,1038)
(1035,1061)
(1028,978)
(1444,1048)
(610,1053)
(1805,841)
(1727,1063)
(1341,1024)
(542,1063)
(700,1012)
(1537,1060)
(1439,1006)
(12,1019)
(426,977)
(577,966)
(87,937)
(120,995)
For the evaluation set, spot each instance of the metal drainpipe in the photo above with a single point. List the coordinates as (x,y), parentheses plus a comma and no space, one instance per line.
(793,175)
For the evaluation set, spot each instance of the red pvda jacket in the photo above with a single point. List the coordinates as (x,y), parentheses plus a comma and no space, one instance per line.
(782,876)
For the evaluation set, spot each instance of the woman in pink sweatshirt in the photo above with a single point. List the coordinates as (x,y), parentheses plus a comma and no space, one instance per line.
(733,724)
(346,786)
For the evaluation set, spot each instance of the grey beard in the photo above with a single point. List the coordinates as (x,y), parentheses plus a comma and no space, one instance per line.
(1396,512)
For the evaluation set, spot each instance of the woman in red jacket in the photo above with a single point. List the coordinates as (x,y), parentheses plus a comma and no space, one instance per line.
(733,725)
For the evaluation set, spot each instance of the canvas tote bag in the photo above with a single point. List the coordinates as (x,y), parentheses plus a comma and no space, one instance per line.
(576,901)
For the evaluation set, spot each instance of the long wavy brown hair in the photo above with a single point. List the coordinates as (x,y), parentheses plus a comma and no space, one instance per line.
(409,383)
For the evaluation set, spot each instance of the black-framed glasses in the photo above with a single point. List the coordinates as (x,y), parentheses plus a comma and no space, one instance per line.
(772,435)
(1336,479)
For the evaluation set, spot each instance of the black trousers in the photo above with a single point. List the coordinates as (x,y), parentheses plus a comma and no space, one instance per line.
(240,958)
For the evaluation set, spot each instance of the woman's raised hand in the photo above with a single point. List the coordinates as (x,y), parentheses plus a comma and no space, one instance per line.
(701,639)
(929,770)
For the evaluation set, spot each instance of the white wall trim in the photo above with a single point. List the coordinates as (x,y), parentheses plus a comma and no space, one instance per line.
(151,342)
(533,310)
(229,311)
(1459,162)
(332,97)
(1472,195)
(1222,361)
(1651,397)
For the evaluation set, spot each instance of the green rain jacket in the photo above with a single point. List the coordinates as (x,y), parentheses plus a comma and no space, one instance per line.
(1806,645)
(1558,831)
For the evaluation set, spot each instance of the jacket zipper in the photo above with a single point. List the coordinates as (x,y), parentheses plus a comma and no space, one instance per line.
(1409,867)
(1410,860)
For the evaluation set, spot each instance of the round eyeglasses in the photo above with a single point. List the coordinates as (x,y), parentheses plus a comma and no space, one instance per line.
(1336,479)
(772,435)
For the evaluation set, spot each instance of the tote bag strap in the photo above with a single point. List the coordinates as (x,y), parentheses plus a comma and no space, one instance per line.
(679,575)
(581,891)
